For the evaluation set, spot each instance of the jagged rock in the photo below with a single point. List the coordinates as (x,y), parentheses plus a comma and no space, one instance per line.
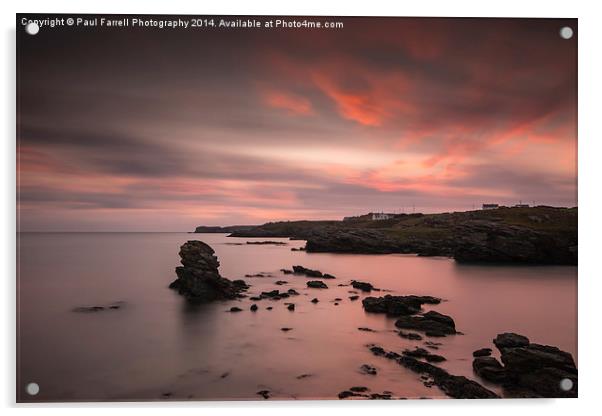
(529,370)
(363,286)
(397,305)
(434,324)
(198,277)
(510,340)
(307,272)
(483,352)
(317,284)
(493,241)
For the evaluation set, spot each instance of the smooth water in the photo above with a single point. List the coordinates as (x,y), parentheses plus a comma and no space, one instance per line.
(157,347)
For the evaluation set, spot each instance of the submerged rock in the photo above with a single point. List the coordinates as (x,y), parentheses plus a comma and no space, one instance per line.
(458,387)
(365,329)
(410,335)
(397,305)
(264,393)
(198,277)
(273,243)
(422,353)
(368,369)
(99,308)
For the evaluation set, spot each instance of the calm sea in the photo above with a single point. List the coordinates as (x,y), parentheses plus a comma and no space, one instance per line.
(157,347)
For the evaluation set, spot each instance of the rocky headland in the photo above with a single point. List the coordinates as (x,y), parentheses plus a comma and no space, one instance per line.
(536,235)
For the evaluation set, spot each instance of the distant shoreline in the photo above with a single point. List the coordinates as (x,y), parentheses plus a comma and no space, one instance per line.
(517,235)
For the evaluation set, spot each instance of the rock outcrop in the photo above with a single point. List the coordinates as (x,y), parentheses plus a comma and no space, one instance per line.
(529,370)
(433,324)
(397,305)
(198,277)
(480,241)
(363,286)
(311,273)
(457,387)
(317,284)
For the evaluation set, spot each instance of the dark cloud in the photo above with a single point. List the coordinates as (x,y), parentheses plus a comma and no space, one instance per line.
(253,125)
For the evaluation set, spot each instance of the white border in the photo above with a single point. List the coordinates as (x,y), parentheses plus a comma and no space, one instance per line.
(590,137)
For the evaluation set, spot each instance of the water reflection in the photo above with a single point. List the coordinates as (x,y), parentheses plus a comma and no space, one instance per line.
(159,346)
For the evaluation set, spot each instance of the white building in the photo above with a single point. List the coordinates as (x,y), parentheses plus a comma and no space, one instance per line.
(379,216)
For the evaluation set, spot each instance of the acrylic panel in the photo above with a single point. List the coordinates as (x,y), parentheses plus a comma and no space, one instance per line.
(295,208)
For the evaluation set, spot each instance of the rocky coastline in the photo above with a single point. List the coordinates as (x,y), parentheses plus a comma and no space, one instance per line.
(537,235)
(526,369)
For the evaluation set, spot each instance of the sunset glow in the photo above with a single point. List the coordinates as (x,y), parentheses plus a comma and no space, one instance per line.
(170,130)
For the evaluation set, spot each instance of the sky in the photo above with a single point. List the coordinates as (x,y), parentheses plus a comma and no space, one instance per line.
(165,130)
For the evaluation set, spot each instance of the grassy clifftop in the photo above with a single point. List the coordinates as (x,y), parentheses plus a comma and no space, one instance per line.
(539,234)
